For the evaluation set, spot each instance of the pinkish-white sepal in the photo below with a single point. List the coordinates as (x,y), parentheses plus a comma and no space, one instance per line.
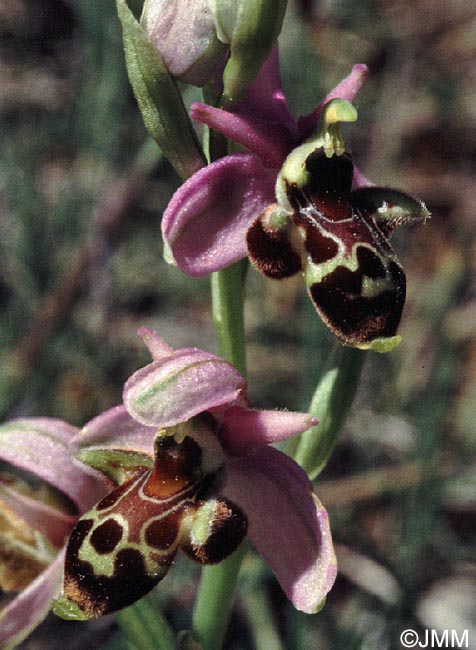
(41,446)
(286,523)
(173,390)
(206,221)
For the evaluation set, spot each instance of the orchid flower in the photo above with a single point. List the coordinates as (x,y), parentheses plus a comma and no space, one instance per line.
(43,491)
(194,472)
(295,202)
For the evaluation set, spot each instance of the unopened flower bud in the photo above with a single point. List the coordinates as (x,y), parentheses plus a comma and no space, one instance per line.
(251,28)
(184,33)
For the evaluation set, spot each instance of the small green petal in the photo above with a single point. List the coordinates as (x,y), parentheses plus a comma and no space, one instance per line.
(116,464)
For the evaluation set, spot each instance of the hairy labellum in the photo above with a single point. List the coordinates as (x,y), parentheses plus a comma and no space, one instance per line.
(123,547)
(270,248)
(352,274)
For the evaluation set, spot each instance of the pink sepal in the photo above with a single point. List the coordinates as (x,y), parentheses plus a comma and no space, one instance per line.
(173,390)
(265,96)
(116,429)
(287,524)
(346,89)
(270,142)
(206,221)
(359,180)
(41,446)
(157,347)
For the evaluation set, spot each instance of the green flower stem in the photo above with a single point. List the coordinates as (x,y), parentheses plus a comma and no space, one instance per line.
(217,584)
(146,627)
(215,600)
(227,308)
(331,404)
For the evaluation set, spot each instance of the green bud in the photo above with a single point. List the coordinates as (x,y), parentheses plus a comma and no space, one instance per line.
(251,28)
(160,103)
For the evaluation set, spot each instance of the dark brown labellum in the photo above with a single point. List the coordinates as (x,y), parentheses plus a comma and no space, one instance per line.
(352,273)
(124,546)
(338,239)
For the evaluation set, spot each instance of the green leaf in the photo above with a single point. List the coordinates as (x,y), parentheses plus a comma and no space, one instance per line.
(331,404)
(146,627)
(160,103)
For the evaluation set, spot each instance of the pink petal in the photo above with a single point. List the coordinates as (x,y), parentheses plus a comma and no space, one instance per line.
(206,221)
(242,429)
(346,89)
(116,429)
(157,347)
(20,617)
(265,95)
(270,142)
(40,446)
(173,390)
(287,524)
(50,522)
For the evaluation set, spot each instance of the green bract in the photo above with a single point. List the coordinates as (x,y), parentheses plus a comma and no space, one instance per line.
(159,100)
(331,403)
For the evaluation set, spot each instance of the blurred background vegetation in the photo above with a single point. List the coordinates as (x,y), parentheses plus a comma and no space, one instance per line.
(82,191)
